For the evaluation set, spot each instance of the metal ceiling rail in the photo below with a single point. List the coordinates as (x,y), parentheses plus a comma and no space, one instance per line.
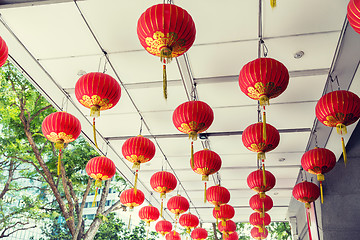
(133,102)
(209,134)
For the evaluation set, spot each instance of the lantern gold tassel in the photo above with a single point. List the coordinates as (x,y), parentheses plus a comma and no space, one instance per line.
(261,156)
(95,111)
(263,172)
(321,193)
(59,163)
(262,214)
(341,129)
(223,223)
(135,183)
(264,100)
(273,3)
(344,150)
(147,233)
(162,207)
(264,125)
(94,131)
(97,185)
(205,193)
(192,155)
(129,222)
(261,229)
(164,81)
(308,221)
(59,144)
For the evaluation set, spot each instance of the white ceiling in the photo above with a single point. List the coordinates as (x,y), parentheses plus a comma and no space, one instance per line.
(56,45)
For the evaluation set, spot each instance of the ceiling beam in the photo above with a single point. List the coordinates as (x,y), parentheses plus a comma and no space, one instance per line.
(23,3)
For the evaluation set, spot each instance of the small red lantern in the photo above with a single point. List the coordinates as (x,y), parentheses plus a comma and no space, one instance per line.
(225,212)
(353,14)
(138,150)
(255,181)
(338,109)
(100,169)
(166,31)
(258,221)
(255,233)
(233,236)
(306,192)
(163,182)
(97,91)
(4,52)
(60,128)
(149,214)
(217,195)
(189,221)
(261,205)
(163,227)
(318,161)
(229,228)
(131,199)
(253,139)
(173,235)
(199,234)
(206,162)
(178,205)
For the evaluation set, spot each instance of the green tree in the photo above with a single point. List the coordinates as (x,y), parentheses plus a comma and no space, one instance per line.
(26,153)
(279,230)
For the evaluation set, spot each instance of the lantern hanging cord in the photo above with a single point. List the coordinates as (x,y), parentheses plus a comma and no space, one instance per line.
(265,50)
(193,92)
(316,140)
(141,125)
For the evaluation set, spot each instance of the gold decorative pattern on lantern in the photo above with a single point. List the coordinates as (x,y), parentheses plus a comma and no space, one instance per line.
(161,189)
(191,127)
(137,159)
(204,171)
(259,90)
(99,176)
(159,41)
(95,100)
(257,147)
(54,137)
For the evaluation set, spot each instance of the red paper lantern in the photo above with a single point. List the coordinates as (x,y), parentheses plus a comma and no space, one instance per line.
(138,150)
(199,234)
(206,162)
(261,205)
(225,212)
(229,228)
(4,52)
(131,199)
(353,14)
(166,31)
(258,221)
(189,221)
(173,235)
(233,236)
(255,233)
(163,227)
(255,181)
(217,195)
(178,205)
(263,78)
(338,109)
(318,161)
(306,192)
(60,128)
(149,214)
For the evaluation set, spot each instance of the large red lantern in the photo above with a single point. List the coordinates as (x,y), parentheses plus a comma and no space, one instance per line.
(253,139)
(205,162)
(233,236)
(255,181)
(306,192)
(199,234)
(225,212)
(163,182)
(217,195)
(100,169)
(258,221)
(189,221)
(338,109)
(260,205)
(229,228)
(318,161)
(255,233)
(163,227)
(178,205)
(353,14)
(262,79)
(61,128)
(131,199)
(4,52)
(193,117)
(97,91)
(149,214)
(138,150)
(173,235)
(166,31)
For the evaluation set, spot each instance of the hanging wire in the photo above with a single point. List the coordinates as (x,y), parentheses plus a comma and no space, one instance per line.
(100,60)
(337,82)
(141,125)
(218,178)
(259,112)
(193,93)
(105,69)
(265,50)
(331,83)
(316,139)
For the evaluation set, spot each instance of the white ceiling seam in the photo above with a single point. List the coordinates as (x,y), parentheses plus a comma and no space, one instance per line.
(145,124)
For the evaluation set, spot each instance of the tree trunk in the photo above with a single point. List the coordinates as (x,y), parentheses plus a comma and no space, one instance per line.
(215,232)
(7,184)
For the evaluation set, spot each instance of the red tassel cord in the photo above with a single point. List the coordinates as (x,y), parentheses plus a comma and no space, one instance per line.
(308,222)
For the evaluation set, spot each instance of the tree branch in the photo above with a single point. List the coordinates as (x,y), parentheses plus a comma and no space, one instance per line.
(40,111)
(10,177)
(80,211)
